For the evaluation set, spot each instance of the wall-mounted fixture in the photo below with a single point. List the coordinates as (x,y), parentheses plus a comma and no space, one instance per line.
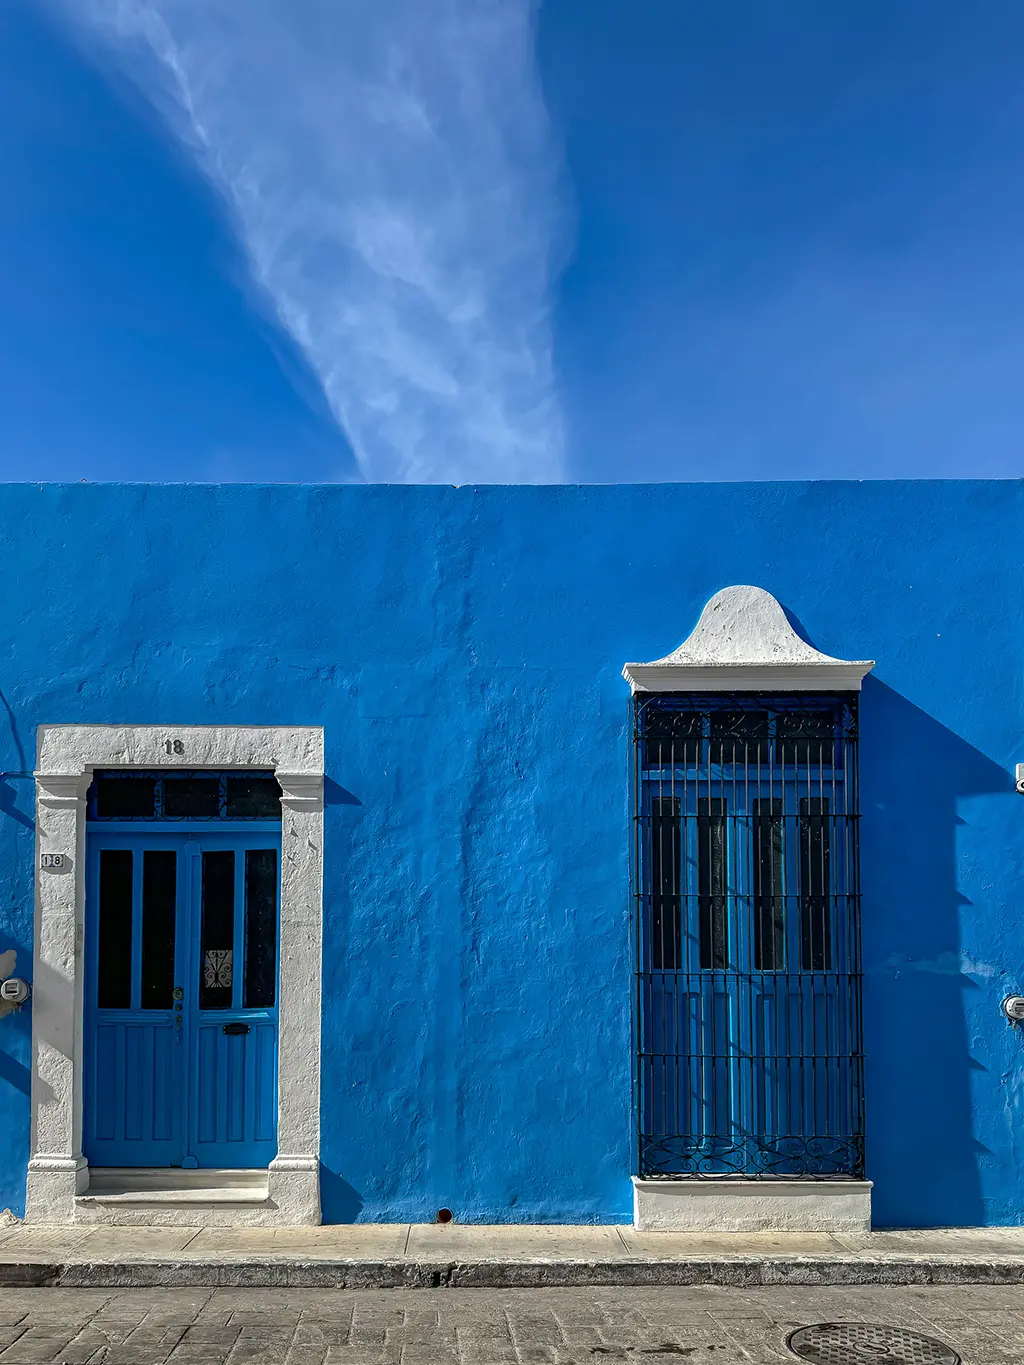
(1020,778)
(1013,1008)
(14,991)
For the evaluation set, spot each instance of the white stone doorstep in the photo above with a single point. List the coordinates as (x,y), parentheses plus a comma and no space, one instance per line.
(724,1205)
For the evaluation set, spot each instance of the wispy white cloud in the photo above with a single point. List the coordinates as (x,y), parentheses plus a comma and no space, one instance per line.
(396,184)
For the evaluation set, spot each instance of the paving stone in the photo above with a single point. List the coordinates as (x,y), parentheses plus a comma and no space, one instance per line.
(414,1337)
(153,1339)
(488,1335)
(37,1344)
(57,1306)
(324,1333)
(354,1355)
(256,1346)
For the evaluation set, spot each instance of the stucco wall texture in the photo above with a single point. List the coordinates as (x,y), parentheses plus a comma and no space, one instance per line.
(462,648)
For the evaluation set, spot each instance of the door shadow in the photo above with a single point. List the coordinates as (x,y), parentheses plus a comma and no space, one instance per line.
(921,1149)
(340,1202)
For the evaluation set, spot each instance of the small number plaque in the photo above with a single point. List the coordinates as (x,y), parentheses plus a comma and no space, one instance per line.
(53,862)
(174,746)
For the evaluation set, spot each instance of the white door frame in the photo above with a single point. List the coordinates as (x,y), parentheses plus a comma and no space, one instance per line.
(67,756)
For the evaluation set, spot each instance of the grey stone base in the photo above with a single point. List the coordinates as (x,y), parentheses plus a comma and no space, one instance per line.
(736,1271)
(714,1206)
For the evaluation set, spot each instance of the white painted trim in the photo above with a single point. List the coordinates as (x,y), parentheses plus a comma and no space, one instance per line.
(67,756)
(727,1205)
(744,643)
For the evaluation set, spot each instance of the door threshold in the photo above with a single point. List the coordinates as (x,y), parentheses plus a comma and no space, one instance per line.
(164,1185)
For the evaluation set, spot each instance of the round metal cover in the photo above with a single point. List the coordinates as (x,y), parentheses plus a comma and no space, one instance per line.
(865,1343)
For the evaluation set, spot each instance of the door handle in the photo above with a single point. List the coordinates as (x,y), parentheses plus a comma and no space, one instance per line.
(235,1028)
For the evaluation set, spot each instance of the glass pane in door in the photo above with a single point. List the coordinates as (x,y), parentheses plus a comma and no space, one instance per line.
(260,928)
(159,900)
(217,938)
(114,968)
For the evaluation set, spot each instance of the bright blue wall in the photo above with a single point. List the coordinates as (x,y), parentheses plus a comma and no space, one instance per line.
(462,649)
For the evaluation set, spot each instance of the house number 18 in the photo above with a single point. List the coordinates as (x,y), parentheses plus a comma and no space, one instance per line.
(174,746)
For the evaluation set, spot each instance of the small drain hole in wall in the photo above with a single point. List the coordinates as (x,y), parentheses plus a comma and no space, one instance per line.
(444,1216)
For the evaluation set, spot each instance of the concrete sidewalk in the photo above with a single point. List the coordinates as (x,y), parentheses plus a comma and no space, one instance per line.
(396,1255)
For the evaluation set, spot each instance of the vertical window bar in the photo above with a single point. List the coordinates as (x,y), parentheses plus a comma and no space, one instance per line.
(640,1013)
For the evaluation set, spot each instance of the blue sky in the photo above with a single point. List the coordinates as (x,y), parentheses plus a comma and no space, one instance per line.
(611,240)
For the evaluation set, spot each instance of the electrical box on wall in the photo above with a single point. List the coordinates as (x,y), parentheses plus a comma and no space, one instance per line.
(14,991)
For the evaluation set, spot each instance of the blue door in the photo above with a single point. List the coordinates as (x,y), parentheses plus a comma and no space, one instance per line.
(181,994)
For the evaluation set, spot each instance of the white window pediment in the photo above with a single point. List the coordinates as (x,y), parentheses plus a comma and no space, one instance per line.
(743,642)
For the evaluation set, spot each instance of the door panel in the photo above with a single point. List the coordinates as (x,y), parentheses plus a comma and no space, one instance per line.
(234,1024)
(189,1081)
(237,1098)
(134,1074)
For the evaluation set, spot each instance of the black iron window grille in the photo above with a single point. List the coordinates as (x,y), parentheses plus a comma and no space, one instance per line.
(183,795)
(748,936)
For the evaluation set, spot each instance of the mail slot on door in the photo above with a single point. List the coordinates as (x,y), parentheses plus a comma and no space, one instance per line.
(236,1028)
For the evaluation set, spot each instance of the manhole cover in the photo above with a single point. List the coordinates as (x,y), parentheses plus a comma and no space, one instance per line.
(865,1343)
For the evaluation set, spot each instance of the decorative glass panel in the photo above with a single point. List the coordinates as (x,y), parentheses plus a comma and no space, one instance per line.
(218,931)
(126,798)
(260,928)
(159,898)
(114,974)
(252,797)
(196,797)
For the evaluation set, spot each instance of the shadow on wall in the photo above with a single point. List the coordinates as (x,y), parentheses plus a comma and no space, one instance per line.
(15,1030)
(9,793)
(339,1202)
(921,1149)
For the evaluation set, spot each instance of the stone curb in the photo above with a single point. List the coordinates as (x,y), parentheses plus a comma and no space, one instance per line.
(736,1272)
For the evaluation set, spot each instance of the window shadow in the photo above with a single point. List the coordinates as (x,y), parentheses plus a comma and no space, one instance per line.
(921,1149)
(15,1073)
(9,794)
(335,795)
(15,1058)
